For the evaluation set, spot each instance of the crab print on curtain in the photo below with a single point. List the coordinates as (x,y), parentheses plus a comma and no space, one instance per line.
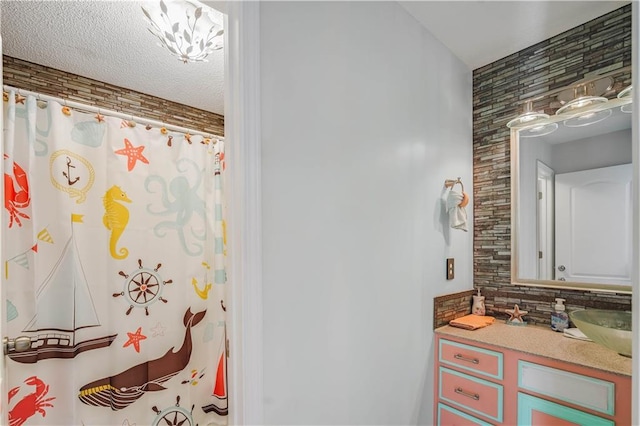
(113,252)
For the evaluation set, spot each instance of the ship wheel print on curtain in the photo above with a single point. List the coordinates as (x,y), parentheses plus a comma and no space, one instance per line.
(143,287)
(174,415)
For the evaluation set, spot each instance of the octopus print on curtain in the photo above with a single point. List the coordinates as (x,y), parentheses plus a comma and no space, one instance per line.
(113,263)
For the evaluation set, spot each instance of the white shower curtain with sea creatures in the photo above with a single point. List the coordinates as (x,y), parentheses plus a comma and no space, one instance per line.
(114,267)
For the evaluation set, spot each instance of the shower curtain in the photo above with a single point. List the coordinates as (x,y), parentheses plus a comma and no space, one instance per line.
(113,249)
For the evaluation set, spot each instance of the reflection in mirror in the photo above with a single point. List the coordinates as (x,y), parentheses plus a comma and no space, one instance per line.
(571,199)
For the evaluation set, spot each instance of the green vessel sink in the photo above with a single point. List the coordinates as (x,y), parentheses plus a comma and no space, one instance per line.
(606,327)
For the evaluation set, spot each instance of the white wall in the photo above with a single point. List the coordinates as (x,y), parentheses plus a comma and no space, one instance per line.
(611,149)
(530,151)
(364,115)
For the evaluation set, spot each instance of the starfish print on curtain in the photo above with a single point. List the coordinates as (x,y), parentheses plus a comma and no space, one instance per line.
(133,154)
(134,339)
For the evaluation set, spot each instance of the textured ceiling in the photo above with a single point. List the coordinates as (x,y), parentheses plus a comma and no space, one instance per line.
(108,40)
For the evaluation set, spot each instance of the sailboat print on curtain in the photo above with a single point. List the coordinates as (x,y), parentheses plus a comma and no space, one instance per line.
(69,307)
(220,405)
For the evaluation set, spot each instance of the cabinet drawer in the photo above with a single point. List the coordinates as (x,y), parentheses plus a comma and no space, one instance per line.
(477,395)
(540,412)
(588,392)
(448,416)
(477,360)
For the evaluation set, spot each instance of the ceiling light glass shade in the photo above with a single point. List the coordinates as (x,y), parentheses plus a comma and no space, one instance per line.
(587,118)
(526,119)
(627,94)
(581,104)
(584,110)
(531,124)
(186,28)
(539,129)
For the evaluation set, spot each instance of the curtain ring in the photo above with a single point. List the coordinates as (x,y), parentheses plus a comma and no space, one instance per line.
(99,116)
(19,99)
(65,109)
(39,102)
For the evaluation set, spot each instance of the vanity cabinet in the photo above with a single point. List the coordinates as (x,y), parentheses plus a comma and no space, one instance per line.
(537,411)
(479,383)
(470,378)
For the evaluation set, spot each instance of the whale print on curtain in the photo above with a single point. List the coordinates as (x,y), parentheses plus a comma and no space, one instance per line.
(113,252)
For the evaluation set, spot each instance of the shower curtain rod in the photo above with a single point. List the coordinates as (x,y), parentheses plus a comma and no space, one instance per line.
(91,108)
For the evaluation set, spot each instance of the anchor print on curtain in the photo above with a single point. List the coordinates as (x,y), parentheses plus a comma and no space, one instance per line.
(113,252)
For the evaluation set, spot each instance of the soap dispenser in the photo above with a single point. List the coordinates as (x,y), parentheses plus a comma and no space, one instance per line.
(478,304)
(559,318)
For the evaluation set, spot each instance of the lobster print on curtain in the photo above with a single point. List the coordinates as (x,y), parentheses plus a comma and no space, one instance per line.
(114,266)
(16,192)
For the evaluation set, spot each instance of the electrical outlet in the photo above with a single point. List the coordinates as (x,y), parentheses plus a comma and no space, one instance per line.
(450,270)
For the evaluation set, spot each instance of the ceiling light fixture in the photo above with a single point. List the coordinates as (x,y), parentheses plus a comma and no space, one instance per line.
(187,28)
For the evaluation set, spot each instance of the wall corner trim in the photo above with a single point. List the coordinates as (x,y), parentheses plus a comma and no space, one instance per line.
(242,138)
(635,137)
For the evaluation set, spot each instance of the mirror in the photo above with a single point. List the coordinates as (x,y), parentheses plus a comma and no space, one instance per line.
(571,211)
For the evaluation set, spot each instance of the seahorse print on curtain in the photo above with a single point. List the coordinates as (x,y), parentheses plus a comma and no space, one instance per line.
(116,218)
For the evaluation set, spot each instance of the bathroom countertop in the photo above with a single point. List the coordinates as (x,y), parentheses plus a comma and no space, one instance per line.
(542,341)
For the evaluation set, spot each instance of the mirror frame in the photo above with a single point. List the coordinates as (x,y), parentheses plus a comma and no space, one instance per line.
(515,224)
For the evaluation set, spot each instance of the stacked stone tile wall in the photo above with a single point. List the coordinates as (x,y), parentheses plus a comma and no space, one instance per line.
(451,306)
(49,81)
(600,45)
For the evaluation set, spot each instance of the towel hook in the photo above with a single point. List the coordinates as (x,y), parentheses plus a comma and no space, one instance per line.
(449,183)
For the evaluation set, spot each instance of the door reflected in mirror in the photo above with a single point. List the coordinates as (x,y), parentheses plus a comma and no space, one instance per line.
(571,204)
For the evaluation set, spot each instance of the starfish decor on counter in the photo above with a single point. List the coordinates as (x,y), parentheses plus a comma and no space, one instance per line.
(516,315)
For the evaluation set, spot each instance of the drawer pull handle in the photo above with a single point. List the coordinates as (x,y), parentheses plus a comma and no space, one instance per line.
(473,396)
(467,359)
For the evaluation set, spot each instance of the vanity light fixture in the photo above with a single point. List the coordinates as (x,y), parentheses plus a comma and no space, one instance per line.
(189,29)
(586,106)
(626,94)
(532,123)
(579,104)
